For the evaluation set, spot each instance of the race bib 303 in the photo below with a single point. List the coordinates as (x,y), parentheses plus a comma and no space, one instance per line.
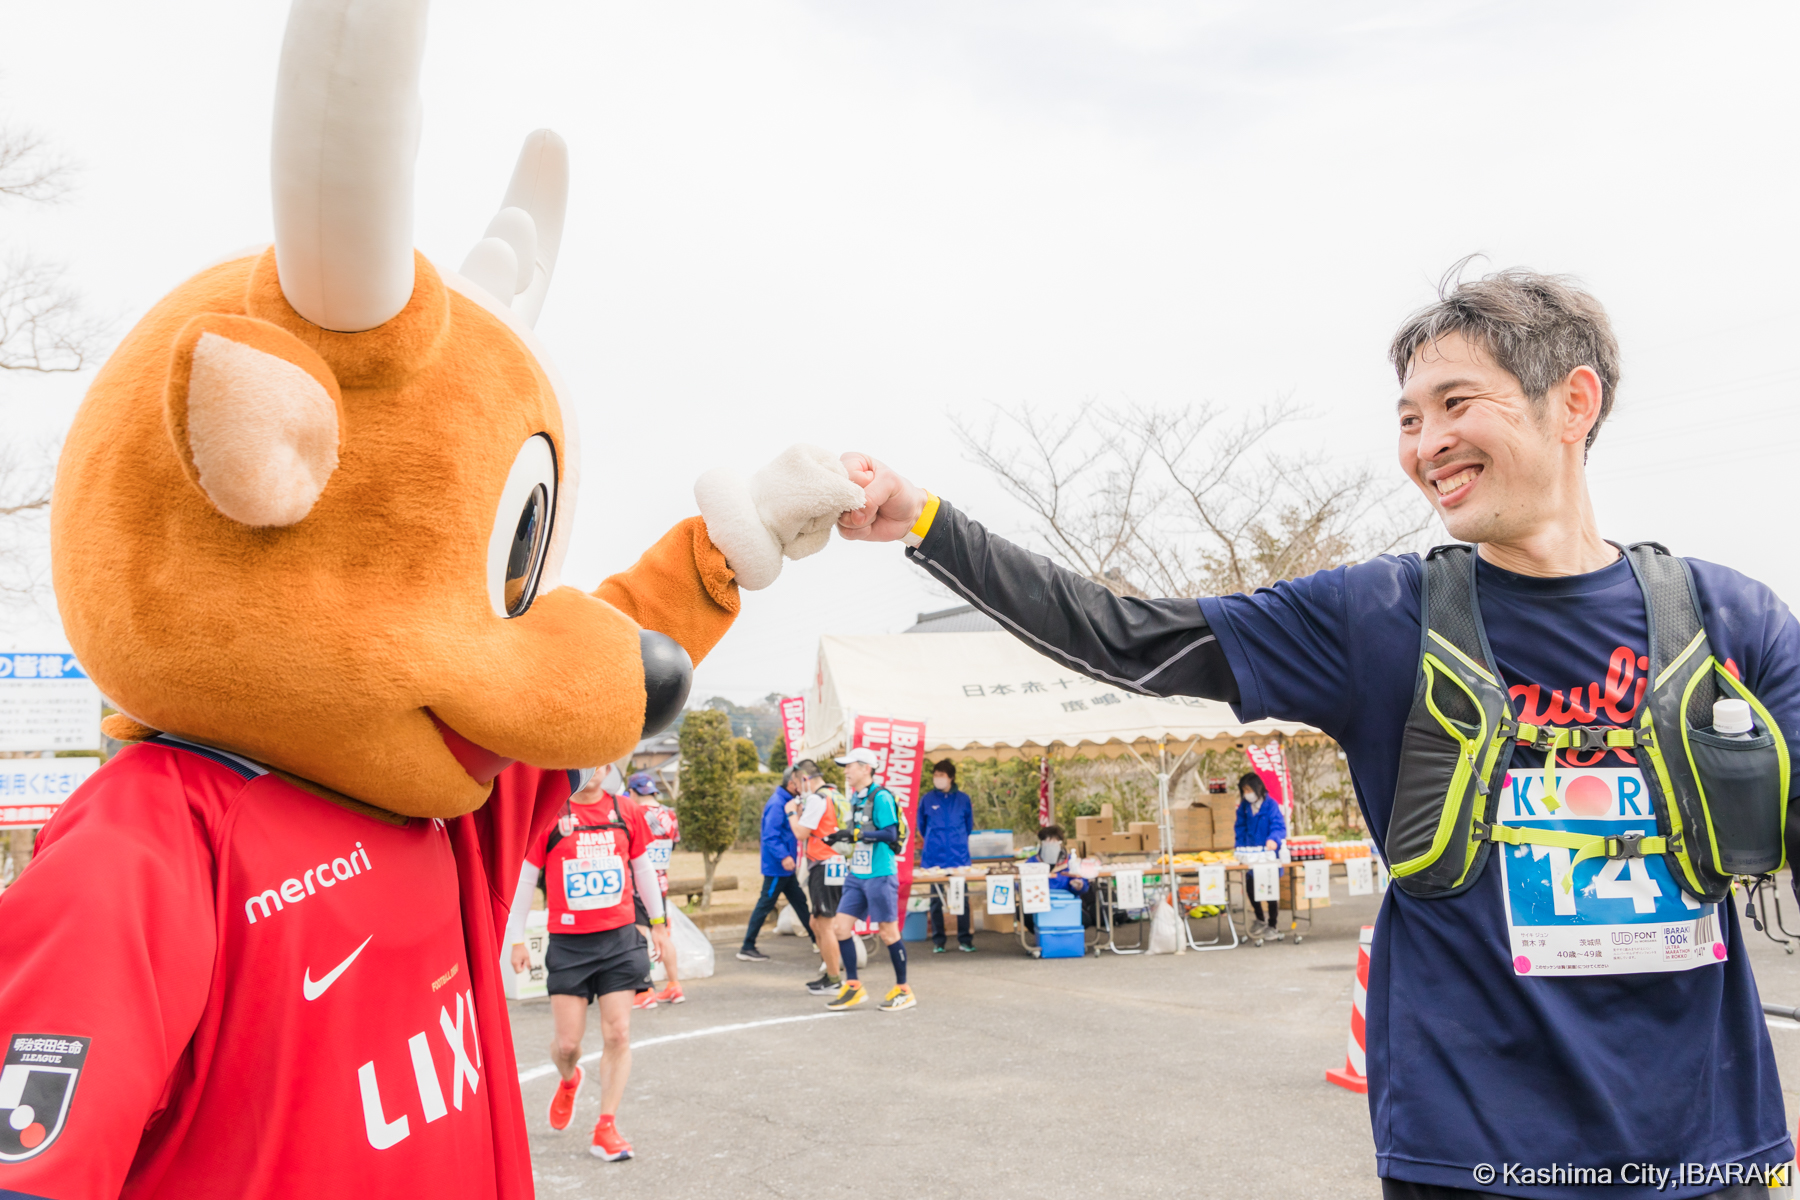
(1620,916)
(596,881)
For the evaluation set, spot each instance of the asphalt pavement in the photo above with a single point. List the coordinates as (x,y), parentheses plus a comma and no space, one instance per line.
(1198,1075)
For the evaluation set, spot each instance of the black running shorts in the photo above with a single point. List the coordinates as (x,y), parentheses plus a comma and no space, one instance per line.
(597,964)
(821,899)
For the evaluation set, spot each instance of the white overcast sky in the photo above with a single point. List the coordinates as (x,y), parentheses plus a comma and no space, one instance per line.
(840,222)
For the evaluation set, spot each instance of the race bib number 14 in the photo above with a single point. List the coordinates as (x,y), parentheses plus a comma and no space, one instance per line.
(1621,916)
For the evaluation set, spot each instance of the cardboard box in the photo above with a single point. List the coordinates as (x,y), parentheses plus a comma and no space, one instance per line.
(1113,843)
(1193,828)
(1293,890)
(1148,835)
(1224,825)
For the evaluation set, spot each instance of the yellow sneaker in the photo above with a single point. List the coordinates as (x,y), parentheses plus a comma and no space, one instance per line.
(849,996)
(901,997)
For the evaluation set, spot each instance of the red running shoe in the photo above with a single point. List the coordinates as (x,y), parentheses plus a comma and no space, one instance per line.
(607,1142)
(562,1101)
(644,1000)
(671,995)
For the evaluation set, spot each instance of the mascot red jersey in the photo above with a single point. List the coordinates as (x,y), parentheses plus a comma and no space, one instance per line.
(307,533)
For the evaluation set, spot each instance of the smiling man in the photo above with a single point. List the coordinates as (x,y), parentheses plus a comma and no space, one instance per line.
(1559,999)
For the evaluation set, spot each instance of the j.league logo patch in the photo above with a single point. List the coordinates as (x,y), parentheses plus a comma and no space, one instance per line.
(36,1085)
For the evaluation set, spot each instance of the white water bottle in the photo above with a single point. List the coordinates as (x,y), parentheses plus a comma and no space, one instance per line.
(1731,719)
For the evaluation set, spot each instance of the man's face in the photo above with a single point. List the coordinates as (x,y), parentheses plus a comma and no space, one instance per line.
(940,781)
(858,775)
(1473,442)
(805,785)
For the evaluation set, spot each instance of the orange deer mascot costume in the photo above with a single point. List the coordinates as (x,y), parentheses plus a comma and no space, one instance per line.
(307,532)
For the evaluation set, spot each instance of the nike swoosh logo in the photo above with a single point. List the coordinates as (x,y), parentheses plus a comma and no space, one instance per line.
(314,990)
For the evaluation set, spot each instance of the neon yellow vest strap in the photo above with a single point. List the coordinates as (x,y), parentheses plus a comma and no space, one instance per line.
(1577,738)
(1585,845)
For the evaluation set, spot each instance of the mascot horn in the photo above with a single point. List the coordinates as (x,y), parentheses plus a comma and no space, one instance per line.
(307,535)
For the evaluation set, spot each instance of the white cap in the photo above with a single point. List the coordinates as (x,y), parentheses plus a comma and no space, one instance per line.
(861,754)
(1730,716)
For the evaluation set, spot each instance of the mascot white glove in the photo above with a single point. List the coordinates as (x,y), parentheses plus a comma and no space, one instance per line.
(786,508)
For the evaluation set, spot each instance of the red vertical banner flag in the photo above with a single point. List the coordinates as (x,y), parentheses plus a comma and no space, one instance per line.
(1270,765)
(793,725)
(900,745)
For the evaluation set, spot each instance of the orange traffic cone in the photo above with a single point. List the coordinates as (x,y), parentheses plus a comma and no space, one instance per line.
(1354,1074)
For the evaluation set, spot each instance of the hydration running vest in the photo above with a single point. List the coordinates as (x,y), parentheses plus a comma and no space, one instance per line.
(862,812)
(1720,803)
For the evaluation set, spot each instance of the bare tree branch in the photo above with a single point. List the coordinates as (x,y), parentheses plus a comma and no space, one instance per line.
(28,169)
(1086,490)
(25,478)
(1178,502)
(44,327)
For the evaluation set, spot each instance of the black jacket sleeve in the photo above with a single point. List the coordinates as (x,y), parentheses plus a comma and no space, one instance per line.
(1153,647)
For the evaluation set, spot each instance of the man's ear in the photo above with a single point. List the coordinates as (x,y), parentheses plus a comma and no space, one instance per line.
(1585,392)
(255,416)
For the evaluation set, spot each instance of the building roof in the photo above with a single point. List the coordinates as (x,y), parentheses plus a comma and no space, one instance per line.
(964,618)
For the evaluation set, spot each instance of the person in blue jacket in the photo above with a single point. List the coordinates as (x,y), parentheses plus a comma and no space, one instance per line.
(1259,823)
(778,851)
(946,818)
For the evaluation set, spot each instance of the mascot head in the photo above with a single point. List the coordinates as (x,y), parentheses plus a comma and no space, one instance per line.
(314,507)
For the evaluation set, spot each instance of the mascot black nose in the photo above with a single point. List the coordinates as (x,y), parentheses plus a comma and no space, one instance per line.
(668,674)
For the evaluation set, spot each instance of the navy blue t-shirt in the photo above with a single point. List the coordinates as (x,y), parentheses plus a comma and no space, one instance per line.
(1471,1061)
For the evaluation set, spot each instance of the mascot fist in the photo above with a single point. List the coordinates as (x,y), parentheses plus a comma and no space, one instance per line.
(786,508)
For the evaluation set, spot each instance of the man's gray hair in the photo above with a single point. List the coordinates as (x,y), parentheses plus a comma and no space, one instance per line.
(1538,327)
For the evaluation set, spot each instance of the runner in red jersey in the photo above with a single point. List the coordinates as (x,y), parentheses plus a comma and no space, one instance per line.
(665,831)
(597,870)
(302,994)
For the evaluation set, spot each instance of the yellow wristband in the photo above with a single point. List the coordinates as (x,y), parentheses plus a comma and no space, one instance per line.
(922,526)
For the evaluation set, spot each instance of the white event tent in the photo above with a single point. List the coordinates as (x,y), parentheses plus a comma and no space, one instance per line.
(989,695)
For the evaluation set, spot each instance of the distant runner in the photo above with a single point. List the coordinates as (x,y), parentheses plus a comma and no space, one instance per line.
(816,808)
(596,864)
(872,889)
(665,831)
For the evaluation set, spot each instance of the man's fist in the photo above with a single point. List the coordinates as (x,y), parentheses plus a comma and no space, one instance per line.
(893,503)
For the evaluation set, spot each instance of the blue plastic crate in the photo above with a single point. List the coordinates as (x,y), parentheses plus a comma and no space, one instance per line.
(1061,943)
(1065,912)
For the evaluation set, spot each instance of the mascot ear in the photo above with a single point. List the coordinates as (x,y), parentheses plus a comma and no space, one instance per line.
(255,416)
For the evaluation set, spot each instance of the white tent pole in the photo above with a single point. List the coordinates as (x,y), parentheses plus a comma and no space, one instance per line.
(1165,824)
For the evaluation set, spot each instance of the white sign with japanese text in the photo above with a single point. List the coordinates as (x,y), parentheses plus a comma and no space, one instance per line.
(47,702)
(956,895)
(32,789)
(1318,881)
(1130,885)
(1002,897)
(1212,885)
(1034,887)
(1362,876)
(1268,881)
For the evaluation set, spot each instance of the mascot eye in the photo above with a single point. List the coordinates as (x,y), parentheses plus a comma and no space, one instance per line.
(521,535)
